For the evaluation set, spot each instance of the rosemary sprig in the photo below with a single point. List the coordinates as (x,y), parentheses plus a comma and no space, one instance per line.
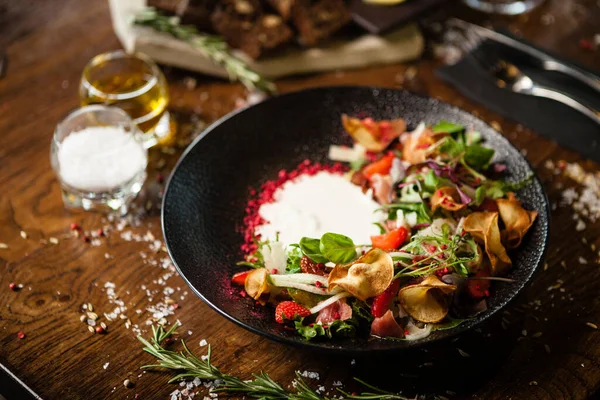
(211,46)
(262,386)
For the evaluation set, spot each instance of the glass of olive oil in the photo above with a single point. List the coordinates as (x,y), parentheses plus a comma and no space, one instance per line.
(134,83)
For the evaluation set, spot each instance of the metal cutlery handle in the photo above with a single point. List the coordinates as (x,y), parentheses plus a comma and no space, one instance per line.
(541,91)
(588,79)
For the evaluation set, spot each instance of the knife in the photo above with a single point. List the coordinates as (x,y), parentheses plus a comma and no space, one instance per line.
(547,62)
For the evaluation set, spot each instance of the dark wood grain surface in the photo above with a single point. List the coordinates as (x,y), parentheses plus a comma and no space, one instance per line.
(540,348)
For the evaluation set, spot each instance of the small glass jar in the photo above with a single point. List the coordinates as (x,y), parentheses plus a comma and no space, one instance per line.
(134,83)
(99,157)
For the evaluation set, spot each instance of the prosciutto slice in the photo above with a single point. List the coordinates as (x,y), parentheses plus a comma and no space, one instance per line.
(386,326)
(338,310)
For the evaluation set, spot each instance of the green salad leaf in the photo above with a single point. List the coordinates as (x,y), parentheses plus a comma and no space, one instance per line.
(361,310)
(448,323)
(293,260)
(478,157)
(311,248)
(498,189)
(423,214)
(448,127)
(338,248)
(452,147)
(337,328)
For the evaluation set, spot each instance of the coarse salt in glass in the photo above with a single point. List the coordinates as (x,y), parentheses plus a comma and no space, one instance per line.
(100,160)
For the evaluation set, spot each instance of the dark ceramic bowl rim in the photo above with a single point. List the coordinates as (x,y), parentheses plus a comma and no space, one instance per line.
(351,350)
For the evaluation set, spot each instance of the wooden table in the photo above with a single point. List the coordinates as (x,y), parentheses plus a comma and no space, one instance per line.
(541,348)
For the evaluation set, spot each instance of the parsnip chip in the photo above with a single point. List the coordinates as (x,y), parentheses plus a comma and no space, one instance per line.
(448,198)
(427,301)
(256,284)
(418,146)
(483,226)
(373,135)
(516,219)
(366,277)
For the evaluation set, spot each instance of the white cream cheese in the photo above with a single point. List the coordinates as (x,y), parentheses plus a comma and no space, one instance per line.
(313,205)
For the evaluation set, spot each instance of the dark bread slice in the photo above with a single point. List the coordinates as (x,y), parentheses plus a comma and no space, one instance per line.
(197,12)
(319,19)
(244,25)
(283,7)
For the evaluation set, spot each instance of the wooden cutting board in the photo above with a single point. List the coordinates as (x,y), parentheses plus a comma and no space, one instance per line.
(400,45)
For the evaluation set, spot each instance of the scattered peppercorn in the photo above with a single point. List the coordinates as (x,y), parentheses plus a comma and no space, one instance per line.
(75,226)
(13,286)
(86,239)
(21,335)
(100,232)
(586,44)
(128,384)
(100,329)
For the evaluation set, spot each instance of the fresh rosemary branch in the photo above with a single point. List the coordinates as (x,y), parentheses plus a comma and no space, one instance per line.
(260,387)
(212,46)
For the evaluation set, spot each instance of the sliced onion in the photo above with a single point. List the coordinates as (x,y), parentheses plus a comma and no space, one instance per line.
(416,333)
(285,280)
(327,302)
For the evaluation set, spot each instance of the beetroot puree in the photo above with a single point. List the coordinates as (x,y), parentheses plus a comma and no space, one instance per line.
(252,219)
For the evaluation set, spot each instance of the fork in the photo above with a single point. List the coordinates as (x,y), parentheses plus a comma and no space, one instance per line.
(508,76)
(544,61)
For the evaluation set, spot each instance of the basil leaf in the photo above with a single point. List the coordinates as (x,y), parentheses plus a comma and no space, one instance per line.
(479,157)
(311,248)
(338,248)
(448,127)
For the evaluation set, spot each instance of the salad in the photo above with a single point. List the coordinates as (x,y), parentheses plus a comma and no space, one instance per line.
(447,222)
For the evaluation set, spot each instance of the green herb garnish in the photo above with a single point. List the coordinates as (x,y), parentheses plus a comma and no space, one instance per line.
(212,46)
(261,386)
(337,328)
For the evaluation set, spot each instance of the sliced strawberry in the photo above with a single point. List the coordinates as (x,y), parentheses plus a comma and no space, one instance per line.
(391,240)
(479,288)
(290,310)
(240,277)
(381,303)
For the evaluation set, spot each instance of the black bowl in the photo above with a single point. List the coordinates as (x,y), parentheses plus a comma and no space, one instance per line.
(206,195)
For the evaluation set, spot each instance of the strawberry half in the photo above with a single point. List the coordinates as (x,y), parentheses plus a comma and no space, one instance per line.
(381,303)
(290,310)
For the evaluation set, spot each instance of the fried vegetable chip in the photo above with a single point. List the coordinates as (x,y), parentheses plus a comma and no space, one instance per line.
(366,277)
(427,301)
(517,220)
(256,284)
(373,135)
(448,198)
(483,226)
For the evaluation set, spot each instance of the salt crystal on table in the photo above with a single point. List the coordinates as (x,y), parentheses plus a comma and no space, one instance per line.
(100,158)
